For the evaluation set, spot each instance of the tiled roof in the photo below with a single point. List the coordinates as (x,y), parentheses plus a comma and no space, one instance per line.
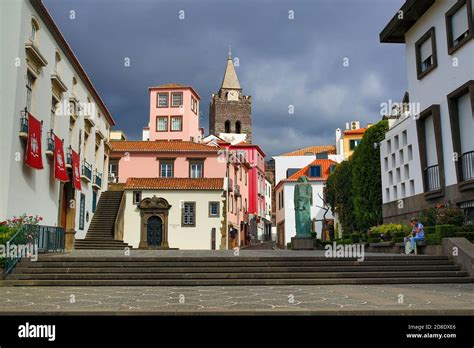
(171,85)
(331,149)
(355,131)
(160,146)
(325,171)
(174,184)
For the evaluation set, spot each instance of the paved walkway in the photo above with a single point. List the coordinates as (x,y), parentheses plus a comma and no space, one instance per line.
(420,299)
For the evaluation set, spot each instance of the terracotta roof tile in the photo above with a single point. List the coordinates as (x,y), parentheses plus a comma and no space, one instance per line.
(325,171)
(331,149)
(174,184)
(160,146)
(355,131)
(171,85)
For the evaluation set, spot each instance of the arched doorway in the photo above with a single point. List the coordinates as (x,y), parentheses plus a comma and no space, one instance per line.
(237,127)
(227,126)
(154,231)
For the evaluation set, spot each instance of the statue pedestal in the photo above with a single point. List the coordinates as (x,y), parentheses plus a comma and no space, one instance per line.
(302,243)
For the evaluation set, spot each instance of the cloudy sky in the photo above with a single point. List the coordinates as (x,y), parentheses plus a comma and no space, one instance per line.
(283,61)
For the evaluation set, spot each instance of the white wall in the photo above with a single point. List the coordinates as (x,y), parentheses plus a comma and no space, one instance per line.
(434,87)
(26,190)
(283,163)
(198,237)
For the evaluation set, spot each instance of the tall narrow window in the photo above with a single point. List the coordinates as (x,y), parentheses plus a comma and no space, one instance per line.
(459,24)
(188,214)
(196,169)
(30,79)
(82,208)
(425,52)
(57,63)
(54,102)
(237,127)
(227,126)
(34,30)
(166,169)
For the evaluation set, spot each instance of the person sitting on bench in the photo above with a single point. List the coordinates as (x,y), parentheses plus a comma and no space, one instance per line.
(417,233)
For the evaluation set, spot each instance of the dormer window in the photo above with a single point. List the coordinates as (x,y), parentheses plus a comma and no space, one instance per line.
(425,50)
(459,24)
(315,171)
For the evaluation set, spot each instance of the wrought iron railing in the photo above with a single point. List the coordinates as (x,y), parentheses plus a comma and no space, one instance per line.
(87,170)
(432,182)
(97,178)
(466,166)
(31,239)
(24,124)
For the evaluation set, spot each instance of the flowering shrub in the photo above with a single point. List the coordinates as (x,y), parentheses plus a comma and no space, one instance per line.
(9,227)
(388,230)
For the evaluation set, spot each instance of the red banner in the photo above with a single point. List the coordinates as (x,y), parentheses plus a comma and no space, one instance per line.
(33,155)
(76,171)
(60,170)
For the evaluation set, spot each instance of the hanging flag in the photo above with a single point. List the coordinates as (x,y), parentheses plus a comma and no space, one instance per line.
(33,155)
(76,172)
(60,171)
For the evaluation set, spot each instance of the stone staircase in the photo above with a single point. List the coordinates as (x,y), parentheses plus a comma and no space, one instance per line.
(101,232)
(59,270)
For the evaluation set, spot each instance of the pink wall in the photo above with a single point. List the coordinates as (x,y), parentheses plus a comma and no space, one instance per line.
(190,122)
(146,165)
(236,216)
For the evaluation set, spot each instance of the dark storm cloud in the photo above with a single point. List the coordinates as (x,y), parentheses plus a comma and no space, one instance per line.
(283,61)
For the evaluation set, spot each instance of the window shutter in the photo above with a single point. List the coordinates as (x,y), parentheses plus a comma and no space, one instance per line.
(459,22)
(426,50)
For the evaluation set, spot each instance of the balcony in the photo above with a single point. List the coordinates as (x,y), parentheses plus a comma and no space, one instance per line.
(50,144)
(97,183)
(113,178)
(89,120)
(24,126)
(432,183)
(86,171)
(466,170)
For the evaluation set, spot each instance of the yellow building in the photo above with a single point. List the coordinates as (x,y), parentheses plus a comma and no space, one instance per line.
(349,139)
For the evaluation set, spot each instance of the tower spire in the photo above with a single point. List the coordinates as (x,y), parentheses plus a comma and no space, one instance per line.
(230,52)
(230,80)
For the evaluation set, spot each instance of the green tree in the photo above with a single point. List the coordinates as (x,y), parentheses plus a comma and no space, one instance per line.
(339,196)
(366,178)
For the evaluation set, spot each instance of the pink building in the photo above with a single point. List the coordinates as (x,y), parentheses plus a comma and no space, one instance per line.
(174,113)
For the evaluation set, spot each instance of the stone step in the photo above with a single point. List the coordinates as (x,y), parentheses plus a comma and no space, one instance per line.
(47,270)
(93,276)
(134,262)
(227,282)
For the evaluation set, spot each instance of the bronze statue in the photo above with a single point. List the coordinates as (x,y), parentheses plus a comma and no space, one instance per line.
(302,200)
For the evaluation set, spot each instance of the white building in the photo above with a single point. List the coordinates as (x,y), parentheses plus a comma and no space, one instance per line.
(291,162)
(317,172)
(41,73)
(180,213)
(428,158)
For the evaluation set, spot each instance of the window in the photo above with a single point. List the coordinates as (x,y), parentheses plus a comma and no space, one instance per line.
(196,169)
(315,171)
(176,99)
(213,209)
(94,200)
(137,197)
(194,104)
(227,126)
(404,138)
(34,30)
(166,169)
(188,214)
(54,102)
(57,62)
(162,100)
(30,79)
(410,152)
(459,25)
(353,143)
(237,127)
(74,86)
(82,208)
(322,155)
(332,167)
(162,124)
(291,171)
(176,123)
(425,52)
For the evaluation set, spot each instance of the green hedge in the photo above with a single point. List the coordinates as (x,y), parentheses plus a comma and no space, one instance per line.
(430,230)
(355,237)
(433,239)
(445,231)
(374,240)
